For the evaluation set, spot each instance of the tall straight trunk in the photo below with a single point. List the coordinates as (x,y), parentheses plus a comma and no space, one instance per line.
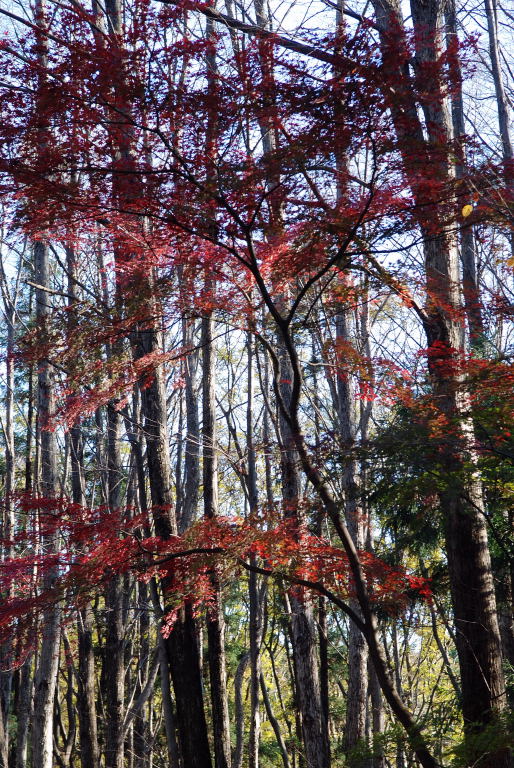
(470,286)
(86,705)
(257,592)
(356,707)
(4,743)
(141,728)
(376,714)
(303,630)
(23,713)
(29,459)
(189,501)
(114,667)
(348,422)
(215,618)
(184,658)
(502,104)
(239,714)
(181,645)
(48,658)
(469,562)
(377,717)
(24,698)
(318,529)
(501,98)
(9,296)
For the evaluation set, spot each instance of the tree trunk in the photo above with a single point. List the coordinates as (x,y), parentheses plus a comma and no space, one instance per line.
(274,723)
(502,104)
(215,619)
(86,705)
(377,717)
(48,659)
(239,714)
(23,713)
(356,707)
(189,502)
(469,566)
(9,297)
(114,670)
(257,592)
(470,286)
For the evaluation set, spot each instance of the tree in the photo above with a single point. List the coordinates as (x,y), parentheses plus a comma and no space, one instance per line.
(267,191)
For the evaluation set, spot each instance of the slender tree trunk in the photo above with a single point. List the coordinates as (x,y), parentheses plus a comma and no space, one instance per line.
(114,673)
(167,703)
(181,645)
(141,731)
(274,722)
(215,619)
(23,713)
(189,504)
(356,708)
(29,471)
(303,631)
(24,698)
(86,705)
(239,714)
(48,659)
(9,296)
(470,286)
(4,744)
(377,717)
(502,104)
(257,592)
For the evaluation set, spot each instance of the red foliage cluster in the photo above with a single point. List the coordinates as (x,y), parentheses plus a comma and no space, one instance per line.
(95,545)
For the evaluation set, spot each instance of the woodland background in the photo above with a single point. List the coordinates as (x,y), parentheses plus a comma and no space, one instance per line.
(256,420)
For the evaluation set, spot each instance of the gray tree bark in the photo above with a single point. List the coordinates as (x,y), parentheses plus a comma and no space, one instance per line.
(114,667)
(468,259)
(356,707)
(48,658)
(215,619)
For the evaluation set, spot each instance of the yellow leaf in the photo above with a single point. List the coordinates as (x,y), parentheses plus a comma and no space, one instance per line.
(467,210)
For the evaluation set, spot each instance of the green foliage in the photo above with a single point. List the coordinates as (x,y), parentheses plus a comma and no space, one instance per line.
(476,746)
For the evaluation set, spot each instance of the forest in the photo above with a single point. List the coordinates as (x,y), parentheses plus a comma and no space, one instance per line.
(256,384)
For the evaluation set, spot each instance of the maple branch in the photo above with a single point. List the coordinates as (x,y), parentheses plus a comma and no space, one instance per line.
(341,251)
(396,287)
(357,16)
(253,29)
(317,586)
(49,290)
(38,29)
